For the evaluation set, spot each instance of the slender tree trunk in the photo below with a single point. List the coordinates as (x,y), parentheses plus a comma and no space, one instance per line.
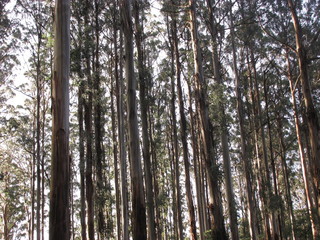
(252,217)
(116,139)
(183,132)
(197,171)
(59,222)
(311,112)
(265,186)
(173,184)
(82,162)
(43,200)
(98,125)
(155,177)
(38,135)
(310,195)
(175,151)
(218,228)
(138,201)
(223,132)
(115,162)
(176,161)
(277,219)
(122,150)
(33,164)
(286,179)
(143,78)
(88,124)
(81,142)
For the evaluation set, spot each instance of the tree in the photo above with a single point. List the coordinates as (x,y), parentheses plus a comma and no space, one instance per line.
(59,225)
(311,113)
(138,10)
(138,201)
(218,228)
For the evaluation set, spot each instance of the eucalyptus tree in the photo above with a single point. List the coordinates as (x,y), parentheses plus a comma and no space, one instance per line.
(244,155)
(290,38)
(183,129)
(215,205)
(59,221)
(37,29)
(121,130)
(139,8)
(138,200)
(217,70)
(311,112)
(77,70)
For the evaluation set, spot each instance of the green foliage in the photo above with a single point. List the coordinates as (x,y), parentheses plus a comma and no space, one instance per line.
(303,226)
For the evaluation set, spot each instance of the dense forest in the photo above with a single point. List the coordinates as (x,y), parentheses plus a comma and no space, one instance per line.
(159,119)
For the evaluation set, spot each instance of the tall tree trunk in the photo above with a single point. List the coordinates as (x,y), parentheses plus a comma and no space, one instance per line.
(306,172)
(265,186)
(33,177)
(252,217)
(285,173)
(218,228)
(143,81)
(175,158)
(277,219)
(138,201)
(155,177)
(183,131)
(197,172)
(174,188)
(223,129)
(311,113)
(43,200)
(82,162)
(115,162)
(88,123)
(122,150)
(98,125)
(116,140)
(38,135)
(59,222)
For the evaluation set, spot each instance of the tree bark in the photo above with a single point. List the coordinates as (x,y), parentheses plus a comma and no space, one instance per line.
(138,201)
(122,150)
(218,228)
(183,130)
(59,222)
(143,81)
(252,217)
(98,125)
(88,122)
(118,146)
(311,113)
(175,152)
(223,129)
(306,172)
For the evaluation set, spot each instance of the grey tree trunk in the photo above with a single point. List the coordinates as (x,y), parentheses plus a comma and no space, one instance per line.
(223,130)
(143,79)
(98,125)
(116,139)
(218,228)
(285,173)
(202,216)
(88,122)
(139,231)
(244,157)
(183,131)
(59,221)
(122,150)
